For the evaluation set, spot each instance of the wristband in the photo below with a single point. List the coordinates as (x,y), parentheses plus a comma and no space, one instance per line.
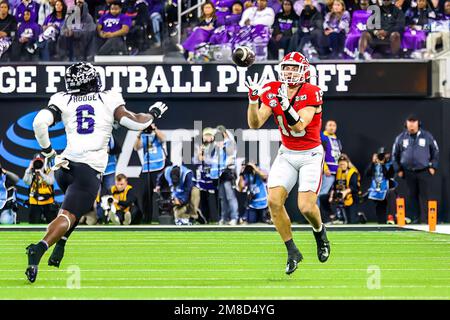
(292,116)
(155,112)
(48,149)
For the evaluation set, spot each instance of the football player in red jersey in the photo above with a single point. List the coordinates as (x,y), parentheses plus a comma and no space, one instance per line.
(296,106)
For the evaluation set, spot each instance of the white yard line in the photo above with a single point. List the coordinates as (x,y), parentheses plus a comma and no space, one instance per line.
(222,287)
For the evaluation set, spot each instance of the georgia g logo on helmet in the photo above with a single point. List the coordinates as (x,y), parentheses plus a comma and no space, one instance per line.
(294,69)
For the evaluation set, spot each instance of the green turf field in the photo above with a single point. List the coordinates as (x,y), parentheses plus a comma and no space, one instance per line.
(231,265)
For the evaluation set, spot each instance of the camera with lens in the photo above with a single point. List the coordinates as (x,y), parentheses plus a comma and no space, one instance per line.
(339,193)
(38,163)
(149,129)
(381,154)
(248,169)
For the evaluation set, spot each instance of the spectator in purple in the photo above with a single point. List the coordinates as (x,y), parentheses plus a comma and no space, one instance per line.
(418,21)
(223,9)
(51,27)
(276,5)
(203,31)
(282,29)
(335,28)
(23,47)
(76,39)
(310,28)
(358,26)
(228,26)
(138,12)
(155,9)
(30,5)
(8,27)
(111,29)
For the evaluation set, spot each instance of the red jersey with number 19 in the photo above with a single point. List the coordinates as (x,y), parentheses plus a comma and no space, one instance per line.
(307,95)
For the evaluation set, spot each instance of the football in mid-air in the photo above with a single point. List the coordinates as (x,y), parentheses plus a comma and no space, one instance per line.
(243,56)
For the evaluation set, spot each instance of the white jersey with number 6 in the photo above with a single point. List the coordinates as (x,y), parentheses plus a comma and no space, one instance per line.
(88,120)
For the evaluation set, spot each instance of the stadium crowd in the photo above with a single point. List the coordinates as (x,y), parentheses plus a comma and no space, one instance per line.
(62,30)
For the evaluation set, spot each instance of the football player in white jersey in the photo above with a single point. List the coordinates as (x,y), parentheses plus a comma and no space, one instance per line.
(88,115)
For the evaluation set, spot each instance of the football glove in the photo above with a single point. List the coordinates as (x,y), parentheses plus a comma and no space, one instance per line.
(255,88)
(157,109)
(283,95)
(60,162)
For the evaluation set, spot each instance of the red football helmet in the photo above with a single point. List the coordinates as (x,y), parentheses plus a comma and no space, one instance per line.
(294,77)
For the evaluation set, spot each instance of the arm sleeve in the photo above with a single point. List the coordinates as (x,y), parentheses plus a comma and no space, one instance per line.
(42,121)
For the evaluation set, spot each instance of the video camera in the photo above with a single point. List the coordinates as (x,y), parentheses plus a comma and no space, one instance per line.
(165,203)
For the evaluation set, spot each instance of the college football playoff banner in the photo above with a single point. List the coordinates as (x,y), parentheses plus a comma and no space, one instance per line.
(344,79)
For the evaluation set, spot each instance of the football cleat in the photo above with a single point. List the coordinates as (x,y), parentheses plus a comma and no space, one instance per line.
(293,261)
(31,273)
(33,261)
(323,245)
(57,256)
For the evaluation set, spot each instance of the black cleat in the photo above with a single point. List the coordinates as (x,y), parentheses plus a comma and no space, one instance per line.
(57,256)
(323,245)
(293,260)
(33,261)
(31,273)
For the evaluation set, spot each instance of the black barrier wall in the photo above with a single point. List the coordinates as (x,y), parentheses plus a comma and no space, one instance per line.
(363,126)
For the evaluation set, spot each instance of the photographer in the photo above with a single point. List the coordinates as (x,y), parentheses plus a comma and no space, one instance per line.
(381,172)
(252,180)
(203,181)
(40,179)
(153,161)
(222,162)
(345,192)
(8,206)
(124,200)
(183,193)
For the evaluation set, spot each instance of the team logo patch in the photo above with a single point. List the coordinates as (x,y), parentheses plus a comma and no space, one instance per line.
(273,103)
(301,98)
(270,96)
